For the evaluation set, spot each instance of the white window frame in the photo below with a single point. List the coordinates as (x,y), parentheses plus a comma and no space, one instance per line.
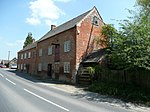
(21,56)
(24,66)
(50,50)
(21,66)
(95,20)
(29,54)
(67,46)
(40,52)
(66,67)
(18,66)
(25,55)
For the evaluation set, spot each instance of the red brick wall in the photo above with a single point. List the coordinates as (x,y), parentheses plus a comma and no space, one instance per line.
(46,59)
(31,61)
(86,34)
(82,42)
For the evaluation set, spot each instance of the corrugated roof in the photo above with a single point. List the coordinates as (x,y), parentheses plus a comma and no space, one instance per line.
(68,25)
(95,57)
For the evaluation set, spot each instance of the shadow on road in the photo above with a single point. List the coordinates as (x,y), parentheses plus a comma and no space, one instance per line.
(35,78)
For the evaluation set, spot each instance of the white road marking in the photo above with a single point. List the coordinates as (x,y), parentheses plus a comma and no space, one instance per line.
(46,100)
(10,81)
(1,75)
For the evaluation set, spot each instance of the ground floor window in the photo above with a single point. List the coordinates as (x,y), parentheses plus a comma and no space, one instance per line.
(39,67)
(24,66)
(56,68)
(21,66)
(66,67)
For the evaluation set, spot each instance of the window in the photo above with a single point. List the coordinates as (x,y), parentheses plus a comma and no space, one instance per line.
(50,50)
(21,66)
(40,52)
(25,55)
(18,66)
(67,46)
(24,66)
(29,55)
(95,20)
(66,67)
(33,54)
(56,68)
(39,67)
(21,56)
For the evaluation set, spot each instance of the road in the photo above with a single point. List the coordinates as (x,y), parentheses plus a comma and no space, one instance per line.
(18,94)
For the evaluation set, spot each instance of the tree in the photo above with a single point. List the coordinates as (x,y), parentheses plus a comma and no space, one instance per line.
(110,33)
(136,31)
(28,40)
(131,45)
(115,46)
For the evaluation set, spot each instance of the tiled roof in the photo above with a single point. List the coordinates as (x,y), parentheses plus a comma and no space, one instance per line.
(68,25)
(95,57)
(30,46)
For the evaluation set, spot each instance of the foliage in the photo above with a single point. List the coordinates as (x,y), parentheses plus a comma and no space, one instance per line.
(110,32)
(28,40)
(130,47)
(91,70)
(126,92)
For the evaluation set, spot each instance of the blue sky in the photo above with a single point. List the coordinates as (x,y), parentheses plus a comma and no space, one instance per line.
(18,17)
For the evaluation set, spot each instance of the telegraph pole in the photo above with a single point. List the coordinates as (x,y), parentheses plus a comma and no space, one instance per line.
(8,56)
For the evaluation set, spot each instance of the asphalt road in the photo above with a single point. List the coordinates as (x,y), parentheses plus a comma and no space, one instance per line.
(18,94)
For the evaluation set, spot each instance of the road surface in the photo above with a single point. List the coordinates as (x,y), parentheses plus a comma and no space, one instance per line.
(18,94)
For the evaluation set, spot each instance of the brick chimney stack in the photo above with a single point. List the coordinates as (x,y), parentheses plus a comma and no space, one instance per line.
(53,27)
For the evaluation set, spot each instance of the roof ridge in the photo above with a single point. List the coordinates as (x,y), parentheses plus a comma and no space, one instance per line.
(70,23)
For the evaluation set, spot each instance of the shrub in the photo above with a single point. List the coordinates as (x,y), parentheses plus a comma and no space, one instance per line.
(122,91)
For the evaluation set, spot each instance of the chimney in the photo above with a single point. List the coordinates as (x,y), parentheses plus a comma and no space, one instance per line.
(53,27)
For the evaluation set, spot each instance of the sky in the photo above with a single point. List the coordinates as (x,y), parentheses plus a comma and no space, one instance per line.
(19,17)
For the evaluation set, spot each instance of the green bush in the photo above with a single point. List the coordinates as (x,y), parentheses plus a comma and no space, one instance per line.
(122,91)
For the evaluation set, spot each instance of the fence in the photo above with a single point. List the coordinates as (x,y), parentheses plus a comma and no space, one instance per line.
(138,78)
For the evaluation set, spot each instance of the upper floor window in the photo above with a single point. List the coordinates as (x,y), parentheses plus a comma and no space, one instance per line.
(67,46)
(21,56)
(95,21)
(25,55)
(50,50)
(29,54)
(40,52)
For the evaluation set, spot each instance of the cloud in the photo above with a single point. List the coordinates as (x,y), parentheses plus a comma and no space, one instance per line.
(48,22)
(44,11)
(33,21)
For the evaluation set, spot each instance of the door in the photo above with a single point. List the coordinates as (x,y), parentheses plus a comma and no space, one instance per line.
(57,53)
(49,70)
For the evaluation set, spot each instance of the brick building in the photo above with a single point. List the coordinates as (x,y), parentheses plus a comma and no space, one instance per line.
(60,51)
(27,59)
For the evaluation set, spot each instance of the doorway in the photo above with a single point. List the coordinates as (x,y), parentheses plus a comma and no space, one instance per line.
(49,70)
